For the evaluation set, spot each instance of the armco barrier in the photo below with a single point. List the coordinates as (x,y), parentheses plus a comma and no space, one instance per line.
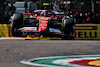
(4,30)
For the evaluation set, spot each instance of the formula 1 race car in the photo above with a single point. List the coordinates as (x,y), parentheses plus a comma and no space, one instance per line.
(43,23)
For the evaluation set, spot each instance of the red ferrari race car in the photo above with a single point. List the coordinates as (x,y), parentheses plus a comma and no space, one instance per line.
(43,23)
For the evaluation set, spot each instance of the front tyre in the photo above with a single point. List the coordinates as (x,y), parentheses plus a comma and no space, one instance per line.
(68,28)
(17,23)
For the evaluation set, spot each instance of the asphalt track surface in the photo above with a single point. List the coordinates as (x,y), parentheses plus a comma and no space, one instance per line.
(13,51)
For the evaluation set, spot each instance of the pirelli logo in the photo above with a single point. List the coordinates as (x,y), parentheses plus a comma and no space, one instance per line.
(86,32)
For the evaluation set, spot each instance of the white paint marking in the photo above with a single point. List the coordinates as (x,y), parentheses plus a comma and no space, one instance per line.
(66,62)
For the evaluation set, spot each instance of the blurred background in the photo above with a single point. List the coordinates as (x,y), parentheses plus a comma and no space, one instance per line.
(24,6)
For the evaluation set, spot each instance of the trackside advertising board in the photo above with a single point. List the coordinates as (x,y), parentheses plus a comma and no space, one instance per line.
(83,31)
(87,31)
(4,30)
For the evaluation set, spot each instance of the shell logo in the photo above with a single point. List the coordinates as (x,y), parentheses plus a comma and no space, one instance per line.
(43,21)
(42,28)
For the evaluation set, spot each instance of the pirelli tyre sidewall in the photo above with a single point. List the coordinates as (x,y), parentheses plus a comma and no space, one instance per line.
(68,27)
(17,23)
